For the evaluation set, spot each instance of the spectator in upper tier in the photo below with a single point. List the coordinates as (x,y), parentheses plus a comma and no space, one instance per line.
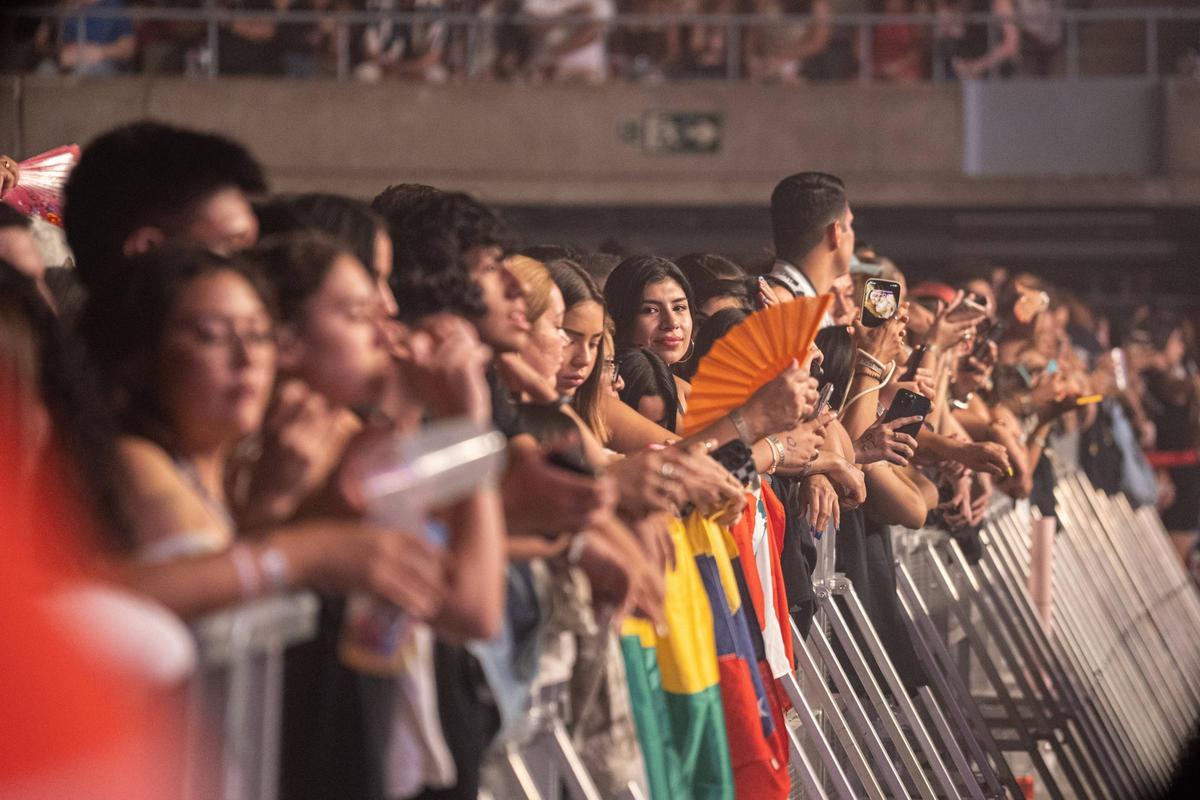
(413,49)
(98,45)
(249,46)
(571,51)
(898,48)
(781,51)
(965,49)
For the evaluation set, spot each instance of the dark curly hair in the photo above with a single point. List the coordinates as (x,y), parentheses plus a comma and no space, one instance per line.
(83,438)
(145,173)
(432,231)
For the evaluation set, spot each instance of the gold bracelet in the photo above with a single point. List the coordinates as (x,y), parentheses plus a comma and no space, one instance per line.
(777,453)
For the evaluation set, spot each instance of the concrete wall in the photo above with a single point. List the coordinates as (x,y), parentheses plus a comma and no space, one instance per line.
(896,146)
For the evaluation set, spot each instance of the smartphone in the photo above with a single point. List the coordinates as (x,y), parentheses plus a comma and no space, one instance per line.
(968,308)
(908,404)
(1119,374)
(822,403)
(880,302)
(993,333)
(572,460)
(914,362)
(736,457)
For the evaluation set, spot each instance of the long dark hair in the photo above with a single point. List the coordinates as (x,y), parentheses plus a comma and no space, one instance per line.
(82,446)
(627,284)
(295,265)
(124,322)
(647,375)
(702,269)
(837,349)
(713,329)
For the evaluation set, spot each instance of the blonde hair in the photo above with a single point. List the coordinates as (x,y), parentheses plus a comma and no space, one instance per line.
(536,282)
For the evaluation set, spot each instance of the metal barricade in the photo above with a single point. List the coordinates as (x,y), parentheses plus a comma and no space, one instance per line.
(235,700)
(1098,705)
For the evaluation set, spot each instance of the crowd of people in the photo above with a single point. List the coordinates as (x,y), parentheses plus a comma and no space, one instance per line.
(187,409)
(572,40)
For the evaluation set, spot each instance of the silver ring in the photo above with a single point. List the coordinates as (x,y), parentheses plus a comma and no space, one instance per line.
(667,470)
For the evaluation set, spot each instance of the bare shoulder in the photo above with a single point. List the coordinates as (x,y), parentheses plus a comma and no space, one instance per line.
(159,501)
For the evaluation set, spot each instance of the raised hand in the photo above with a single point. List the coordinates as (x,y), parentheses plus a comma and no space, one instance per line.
(883,441)
(541,499)
(443,363)
(780,404)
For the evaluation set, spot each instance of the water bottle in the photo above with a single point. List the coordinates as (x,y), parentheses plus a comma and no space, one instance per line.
(398,480)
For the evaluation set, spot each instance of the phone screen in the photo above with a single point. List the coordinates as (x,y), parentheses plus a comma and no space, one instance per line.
(1119,374)
(880,302)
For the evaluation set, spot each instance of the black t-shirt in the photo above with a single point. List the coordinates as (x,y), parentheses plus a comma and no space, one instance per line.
(506,414)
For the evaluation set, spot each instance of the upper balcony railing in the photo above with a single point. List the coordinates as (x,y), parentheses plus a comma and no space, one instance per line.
(453,45)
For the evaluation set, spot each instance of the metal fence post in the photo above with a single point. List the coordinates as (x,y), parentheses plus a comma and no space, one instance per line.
(733,50)
(1072,48)
(865,40)
(342,38)
(80,41)
(1151,45)
(213,47)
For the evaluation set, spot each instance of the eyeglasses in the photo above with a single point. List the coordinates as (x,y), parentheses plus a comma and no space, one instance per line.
(223,334)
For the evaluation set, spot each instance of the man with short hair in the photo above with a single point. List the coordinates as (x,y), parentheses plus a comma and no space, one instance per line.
(814,235)
(140,184)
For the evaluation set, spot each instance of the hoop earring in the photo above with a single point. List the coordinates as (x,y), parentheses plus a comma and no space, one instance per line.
(691,351)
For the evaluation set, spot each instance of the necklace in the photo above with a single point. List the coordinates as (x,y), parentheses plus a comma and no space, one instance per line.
(215,508)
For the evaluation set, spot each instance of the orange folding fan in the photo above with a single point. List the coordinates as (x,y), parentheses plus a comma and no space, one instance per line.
(751,355)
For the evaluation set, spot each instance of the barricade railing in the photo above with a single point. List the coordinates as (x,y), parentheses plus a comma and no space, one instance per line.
(1097,704)
(235,700)
(856,33)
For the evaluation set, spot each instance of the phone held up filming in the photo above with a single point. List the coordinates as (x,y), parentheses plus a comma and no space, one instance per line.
(880,302)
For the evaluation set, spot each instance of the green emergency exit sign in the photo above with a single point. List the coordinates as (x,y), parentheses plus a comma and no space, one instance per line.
(676,132)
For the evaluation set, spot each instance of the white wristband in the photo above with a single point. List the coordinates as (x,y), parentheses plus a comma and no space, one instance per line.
(249,578)
(274,568)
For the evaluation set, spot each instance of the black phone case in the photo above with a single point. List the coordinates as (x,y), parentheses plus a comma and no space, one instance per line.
(914,362)
(908,404)
(572,461)
(994,332)
(737,458)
